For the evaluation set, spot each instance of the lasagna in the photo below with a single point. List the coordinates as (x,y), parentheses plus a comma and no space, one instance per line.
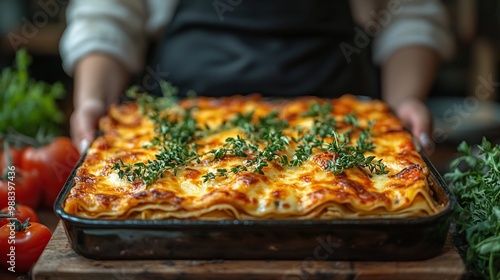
(247,157)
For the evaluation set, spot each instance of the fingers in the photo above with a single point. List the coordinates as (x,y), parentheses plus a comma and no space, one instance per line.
(417,117)
(84,121)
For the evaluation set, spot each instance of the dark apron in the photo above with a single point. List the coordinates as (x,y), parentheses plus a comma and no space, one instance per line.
(277,48)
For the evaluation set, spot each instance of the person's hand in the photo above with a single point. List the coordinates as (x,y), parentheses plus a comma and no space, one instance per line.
(84,121)
(100,79)
(417,117)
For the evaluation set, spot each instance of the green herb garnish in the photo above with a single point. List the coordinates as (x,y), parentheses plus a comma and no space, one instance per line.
(345,155)
(261,142)
(176,130)
(475,178)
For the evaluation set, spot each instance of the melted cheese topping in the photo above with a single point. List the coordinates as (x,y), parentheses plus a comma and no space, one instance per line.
(282,192)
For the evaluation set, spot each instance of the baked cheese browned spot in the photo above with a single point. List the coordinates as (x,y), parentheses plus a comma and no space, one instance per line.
(305,191)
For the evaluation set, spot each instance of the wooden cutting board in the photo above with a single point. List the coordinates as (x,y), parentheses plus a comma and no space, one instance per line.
(59,261)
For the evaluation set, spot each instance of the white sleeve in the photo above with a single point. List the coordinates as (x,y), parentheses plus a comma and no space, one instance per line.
(414,22)
(161,13)
(115,27)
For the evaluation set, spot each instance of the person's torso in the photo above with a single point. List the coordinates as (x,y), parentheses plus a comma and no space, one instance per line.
(277,48)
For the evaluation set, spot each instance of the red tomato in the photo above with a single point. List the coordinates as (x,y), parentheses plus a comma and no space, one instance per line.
(54,162)
(20,187)
(19,211)
(19,250)
(15,154)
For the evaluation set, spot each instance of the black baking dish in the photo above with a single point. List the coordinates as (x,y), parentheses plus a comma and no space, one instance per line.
(380,239)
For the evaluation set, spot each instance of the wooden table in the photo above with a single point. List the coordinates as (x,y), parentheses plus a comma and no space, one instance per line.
(59,261)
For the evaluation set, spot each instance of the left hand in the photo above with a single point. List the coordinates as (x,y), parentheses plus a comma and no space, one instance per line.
(417,117)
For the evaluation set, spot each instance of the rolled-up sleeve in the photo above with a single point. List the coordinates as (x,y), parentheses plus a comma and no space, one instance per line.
(114,27)
(418,22)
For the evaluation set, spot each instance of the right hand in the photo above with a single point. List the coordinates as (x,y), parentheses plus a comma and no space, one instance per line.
(84,122)
(99,81)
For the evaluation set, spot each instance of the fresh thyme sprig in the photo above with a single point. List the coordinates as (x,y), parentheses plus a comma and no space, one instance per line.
(150,105)
(275,142)
(176,134)
(345,155)
(262,141)
(236,146)
(268,131)
(172,158)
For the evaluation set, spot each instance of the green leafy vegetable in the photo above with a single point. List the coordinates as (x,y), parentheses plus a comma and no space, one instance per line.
(28,106)
(476,183)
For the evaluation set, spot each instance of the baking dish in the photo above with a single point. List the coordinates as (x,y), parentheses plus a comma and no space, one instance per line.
(368,239)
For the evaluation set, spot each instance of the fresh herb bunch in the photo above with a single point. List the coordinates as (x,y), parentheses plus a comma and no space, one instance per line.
(346,155)
(176,130)
(27,106)
(267,132)
(476,184)
(261,142)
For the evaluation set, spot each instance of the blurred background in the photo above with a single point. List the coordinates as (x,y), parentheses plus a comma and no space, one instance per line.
(42,30)
(464,100)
